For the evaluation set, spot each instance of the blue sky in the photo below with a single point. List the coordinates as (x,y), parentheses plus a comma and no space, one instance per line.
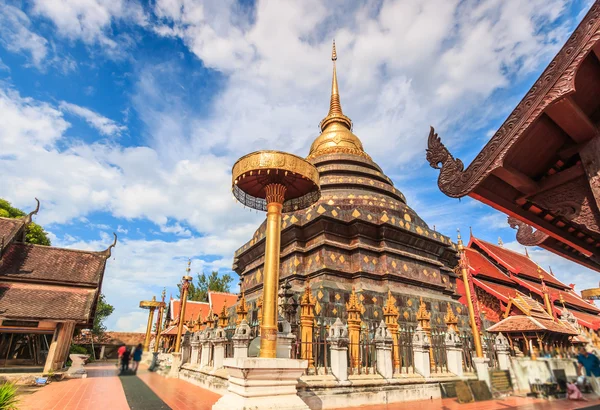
(127,116)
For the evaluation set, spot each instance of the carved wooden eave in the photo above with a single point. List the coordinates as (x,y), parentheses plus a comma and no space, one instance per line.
(542,166)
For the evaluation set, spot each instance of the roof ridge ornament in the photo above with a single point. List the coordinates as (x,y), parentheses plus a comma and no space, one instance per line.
(29,216)
(107,253)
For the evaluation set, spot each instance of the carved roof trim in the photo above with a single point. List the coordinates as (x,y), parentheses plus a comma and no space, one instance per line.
(555,82)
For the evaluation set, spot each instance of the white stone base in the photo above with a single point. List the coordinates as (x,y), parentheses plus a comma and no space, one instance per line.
(257,383)
(363,390)
(483,369)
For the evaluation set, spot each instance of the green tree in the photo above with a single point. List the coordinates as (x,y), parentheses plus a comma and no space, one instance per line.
(198,291)
(103,310)
(35,233)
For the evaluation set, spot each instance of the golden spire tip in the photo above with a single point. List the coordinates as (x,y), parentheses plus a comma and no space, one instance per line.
(333,53)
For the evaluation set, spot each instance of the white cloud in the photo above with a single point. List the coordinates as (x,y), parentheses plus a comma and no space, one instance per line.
(106,126)
(16,35)
(90,20)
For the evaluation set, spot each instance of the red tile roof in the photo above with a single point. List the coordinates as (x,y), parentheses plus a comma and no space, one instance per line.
(572,298)
(192,309)
(219,299)
(42,302)
(172,330)
(586,319)
(9,228)
(522,323)
(481,266)
(112,338)
(46,263)
(515,262)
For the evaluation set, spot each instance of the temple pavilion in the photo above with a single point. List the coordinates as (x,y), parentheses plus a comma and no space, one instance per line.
(197,314)
(45,294)
(359,248)
(530,305)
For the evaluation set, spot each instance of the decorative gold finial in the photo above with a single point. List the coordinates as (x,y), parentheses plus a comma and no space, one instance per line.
(470,232)
(189,268)
(500,242)
(333,53)
(336,128)
(459,240)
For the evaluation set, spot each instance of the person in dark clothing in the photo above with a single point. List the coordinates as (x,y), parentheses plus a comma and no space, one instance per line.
(591,364)
(137,357)
(125,361)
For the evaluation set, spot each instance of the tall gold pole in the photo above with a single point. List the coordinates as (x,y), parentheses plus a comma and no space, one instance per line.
(161,310)
(465,277)
(268,328)
(149,328)
(184,292)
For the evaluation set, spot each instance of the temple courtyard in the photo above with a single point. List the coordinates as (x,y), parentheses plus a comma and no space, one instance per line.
(104,389)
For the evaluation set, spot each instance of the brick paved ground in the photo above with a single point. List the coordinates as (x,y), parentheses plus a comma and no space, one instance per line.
(179,394)
(103,390)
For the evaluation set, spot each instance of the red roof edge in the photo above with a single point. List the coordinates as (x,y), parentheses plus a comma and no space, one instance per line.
(498,259)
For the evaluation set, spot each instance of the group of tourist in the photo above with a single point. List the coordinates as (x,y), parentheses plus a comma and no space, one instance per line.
(125,356)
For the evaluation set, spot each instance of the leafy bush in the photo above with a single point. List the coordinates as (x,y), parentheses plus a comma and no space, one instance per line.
(8,396)
(77,349)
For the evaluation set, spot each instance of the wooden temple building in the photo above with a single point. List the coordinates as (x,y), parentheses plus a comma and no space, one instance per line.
(360,253)
(531,306)
(542,166)
(45,293)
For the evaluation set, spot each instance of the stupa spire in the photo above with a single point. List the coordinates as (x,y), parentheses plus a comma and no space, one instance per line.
(335,107)
(336,128)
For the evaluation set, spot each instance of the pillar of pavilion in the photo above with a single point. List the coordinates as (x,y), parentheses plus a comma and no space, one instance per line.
(276,182)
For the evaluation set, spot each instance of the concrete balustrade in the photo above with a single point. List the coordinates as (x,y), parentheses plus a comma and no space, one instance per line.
(338,342)
(454,352)
(383,348)
(241,340)
(421,344)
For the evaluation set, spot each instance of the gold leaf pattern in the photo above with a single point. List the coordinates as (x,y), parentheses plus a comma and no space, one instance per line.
(293,219)
(405,268)
(258,275)
(334,212)
(320,209)
(337,296)
(332,257)
(406,315)
(366,259)
(317,308)
(355,213)
(407,218)
(342,259)
(330,202)
(409,302)
(394,264)
(384,218)
(320,295)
